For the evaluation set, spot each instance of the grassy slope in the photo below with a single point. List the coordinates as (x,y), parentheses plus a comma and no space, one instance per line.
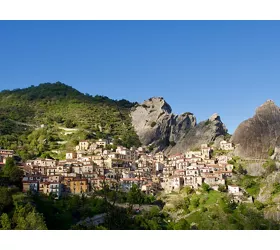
(214,211)
(58,105)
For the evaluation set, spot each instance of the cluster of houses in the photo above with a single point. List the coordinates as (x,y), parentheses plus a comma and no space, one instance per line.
(91,165)
(196,167)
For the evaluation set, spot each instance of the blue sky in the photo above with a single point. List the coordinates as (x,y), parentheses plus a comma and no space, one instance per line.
(228,67)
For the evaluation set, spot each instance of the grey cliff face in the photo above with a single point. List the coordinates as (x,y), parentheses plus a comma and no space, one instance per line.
(255,136)
(155,124)
(211,130)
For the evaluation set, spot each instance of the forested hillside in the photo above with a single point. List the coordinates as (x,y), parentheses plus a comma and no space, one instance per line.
(36,121)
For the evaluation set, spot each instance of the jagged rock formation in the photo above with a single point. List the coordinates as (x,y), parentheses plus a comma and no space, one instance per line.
(155,124)
(211,130)
(255,136)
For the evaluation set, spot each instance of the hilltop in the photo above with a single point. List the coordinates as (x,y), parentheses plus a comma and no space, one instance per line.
(33,120)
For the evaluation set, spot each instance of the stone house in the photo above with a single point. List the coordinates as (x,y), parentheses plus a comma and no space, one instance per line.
(192,170)
(224,145)
(204,170)
(83,145)
(87,168)
(71,155)
(172,183)
(4,154)
(127,183)
(213,180)
(55,188)
(54,178)
(45,162)
(52,171)
(159,157)
(101,143)
(51,187)
(30,186)
(233,189)
(78,186)
(192,181)
(205,152)
(159,166)
(223,159)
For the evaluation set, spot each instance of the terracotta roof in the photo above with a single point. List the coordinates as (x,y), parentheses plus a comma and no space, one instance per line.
(79,179)
(30,181)
(131,179)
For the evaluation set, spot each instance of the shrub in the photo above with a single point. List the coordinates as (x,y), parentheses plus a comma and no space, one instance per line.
(195,202)
(222,188)
(248,183)
(238,168)
(187,202)
(172,143)
(187,190)
(182,224)
(207,122)
(70,124)
(153,124)
(270,151)
(276,188)
(204,209)
(206,187)
(259,205)
(270,166)
(151,148)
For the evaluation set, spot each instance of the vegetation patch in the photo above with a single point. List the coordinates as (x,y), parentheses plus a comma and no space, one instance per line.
(153,124)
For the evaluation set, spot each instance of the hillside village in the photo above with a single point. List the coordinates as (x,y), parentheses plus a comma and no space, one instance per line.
(91,165)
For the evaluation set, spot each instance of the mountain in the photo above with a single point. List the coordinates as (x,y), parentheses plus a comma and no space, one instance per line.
(158,127)
(51,118)
(33,120)
(256,136)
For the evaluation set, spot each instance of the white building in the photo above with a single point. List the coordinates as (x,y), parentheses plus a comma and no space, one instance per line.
(233,189)
(226,145)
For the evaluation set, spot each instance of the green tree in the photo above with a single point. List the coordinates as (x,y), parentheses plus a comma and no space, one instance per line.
(5,199)
(182,224)
(258,205)
(5,223)
(195,201)
(12,172)
(222,188)
(135,196)
(206,187)
(188,190)
(26,218)
(33,221)
(238,168)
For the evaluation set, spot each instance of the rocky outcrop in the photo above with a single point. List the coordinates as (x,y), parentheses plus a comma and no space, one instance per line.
(255,168)
(211,130)
(155,125)
(267,187)
(254,137)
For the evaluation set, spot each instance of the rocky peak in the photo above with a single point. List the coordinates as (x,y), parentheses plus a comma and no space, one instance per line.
(157,103)
(155,124)
(267,107)
(256,135)
(215,117)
